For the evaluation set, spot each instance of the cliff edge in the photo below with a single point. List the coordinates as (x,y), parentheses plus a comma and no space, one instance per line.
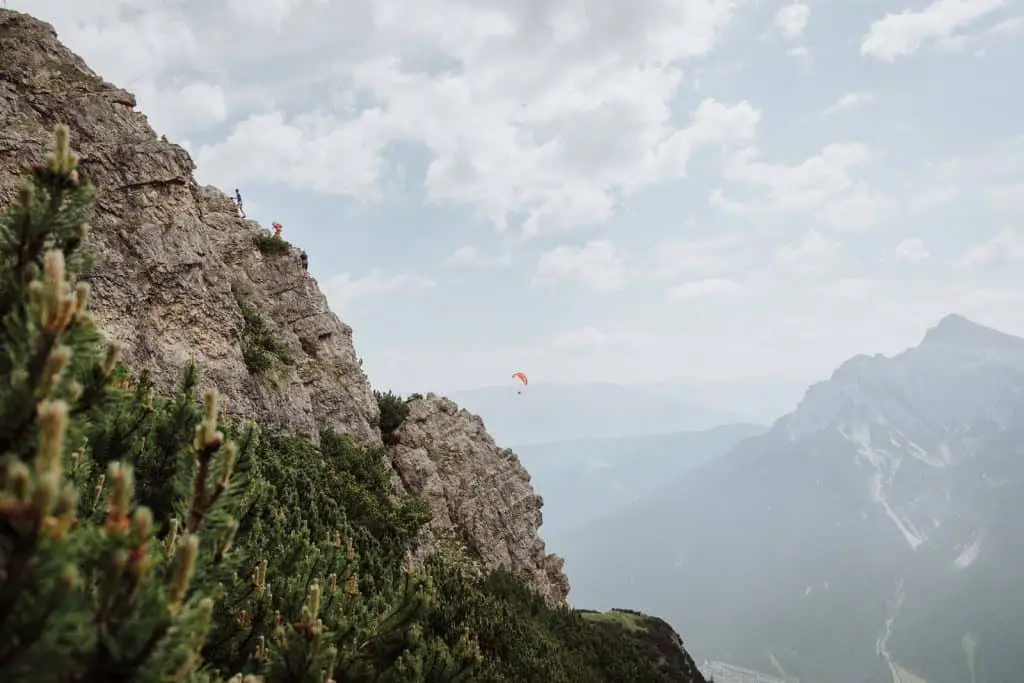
(176,271)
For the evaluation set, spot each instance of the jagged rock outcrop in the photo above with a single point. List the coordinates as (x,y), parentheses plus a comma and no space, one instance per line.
(173,260)
(476,488)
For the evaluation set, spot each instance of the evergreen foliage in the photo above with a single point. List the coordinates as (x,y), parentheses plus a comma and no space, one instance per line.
(393,411)
(261,349)
(145,538)
(268,245)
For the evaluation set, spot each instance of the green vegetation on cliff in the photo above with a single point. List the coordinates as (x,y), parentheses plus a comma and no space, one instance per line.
(148,538)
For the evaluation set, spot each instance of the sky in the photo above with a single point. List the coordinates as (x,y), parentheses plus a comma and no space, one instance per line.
(601,190)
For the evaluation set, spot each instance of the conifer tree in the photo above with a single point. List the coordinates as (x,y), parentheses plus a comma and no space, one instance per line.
(137,541)
(87,593)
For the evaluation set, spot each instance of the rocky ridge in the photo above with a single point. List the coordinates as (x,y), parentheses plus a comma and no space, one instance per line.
(174,265)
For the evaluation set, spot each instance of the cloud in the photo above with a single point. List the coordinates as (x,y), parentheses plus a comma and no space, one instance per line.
(1005,195)
(267,14)
(562,111)
(932,197)
(595,266)
(471,257)
(1003,250)
(812,254)
(901,35)
(178,111)
(696,257)
(265,148)
(910,250)
(802,53)
(343,290)
(1006,30)
(591,338)
(849,101)
(851,289)
(708,287)
(823,185)
(791,20)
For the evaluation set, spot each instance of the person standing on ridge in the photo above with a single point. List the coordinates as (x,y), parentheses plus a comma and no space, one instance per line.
(304,259)
(238,201)
(277,230)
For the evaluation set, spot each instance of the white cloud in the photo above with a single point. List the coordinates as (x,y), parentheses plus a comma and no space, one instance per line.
(812,254)
(979,41)
(471,257)
(696,257)
(156,40)
(270,14)
(342,159)
(791,20)
(851,288)
(849,101)
(910,250)
(801,53)
(557,127)
(596,266)
(1005,195)
(900,35)
(1004,249)
(932,197)
(343,290)
(823,185)
(708,287)
(177,111)
(591,338)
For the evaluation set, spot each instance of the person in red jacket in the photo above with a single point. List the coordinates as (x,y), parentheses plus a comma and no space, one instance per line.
(277,229)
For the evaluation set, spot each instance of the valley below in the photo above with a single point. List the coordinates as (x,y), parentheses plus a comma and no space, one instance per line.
(869,535)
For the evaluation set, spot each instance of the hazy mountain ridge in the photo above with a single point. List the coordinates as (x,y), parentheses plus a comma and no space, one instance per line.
(890,492)
(583,480)
(544,413)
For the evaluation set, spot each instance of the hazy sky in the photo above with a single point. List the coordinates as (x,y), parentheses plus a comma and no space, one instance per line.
(598,188)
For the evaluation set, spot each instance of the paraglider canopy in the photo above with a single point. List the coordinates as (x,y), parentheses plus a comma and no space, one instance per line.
(522,378)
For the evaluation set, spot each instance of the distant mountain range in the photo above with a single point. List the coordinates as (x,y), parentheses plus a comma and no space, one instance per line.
(584,480)
(545,413)
(876,530)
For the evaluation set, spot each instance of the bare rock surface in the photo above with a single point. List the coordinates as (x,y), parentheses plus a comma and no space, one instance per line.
(173,265)
(473,486)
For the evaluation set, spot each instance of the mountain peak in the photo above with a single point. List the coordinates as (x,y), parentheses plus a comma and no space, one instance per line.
(956,330)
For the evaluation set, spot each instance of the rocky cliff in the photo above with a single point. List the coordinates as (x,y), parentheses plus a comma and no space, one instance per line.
(474,486)
(177,272)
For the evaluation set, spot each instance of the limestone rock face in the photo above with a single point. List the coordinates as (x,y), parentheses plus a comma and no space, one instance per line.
(475,487)
(171,257)
(172,261)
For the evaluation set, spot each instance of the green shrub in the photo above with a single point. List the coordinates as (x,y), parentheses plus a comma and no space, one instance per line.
(261,348)
(144,539)
(269,245)
(523,639)
(393,411)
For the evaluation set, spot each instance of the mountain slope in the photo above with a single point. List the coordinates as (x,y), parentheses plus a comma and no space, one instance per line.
(877,525)
(543,413)
(583,480)
(177,272)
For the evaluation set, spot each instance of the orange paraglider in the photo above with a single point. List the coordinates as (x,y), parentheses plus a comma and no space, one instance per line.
(522,378)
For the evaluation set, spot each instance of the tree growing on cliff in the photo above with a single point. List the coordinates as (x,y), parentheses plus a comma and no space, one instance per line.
(137,541)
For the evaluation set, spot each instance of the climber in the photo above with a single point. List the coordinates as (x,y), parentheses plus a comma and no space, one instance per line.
(304,259)
(277,229)
(238,202)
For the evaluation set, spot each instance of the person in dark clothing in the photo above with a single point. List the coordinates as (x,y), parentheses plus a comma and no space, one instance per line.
(305,260)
